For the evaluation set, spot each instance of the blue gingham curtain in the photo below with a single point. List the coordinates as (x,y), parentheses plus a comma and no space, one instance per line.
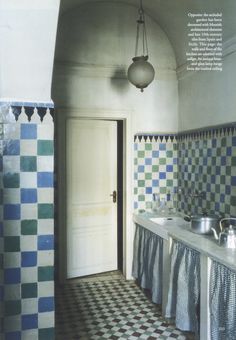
(147,262)
(184,288)
(222,302)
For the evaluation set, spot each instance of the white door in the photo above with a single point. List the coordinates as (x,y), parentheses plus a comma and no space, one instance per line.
(91,155)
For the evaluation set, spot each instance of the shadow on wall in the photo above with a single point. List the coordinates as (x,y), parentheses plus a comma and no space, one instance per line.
(119,80)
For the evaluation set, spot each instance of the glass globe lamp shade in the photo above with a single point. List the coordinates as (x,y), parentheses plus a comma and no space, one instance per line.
(141,73)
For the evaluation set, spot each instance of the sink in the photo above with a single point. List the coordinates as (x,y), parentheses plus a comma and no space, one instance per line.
(170,220)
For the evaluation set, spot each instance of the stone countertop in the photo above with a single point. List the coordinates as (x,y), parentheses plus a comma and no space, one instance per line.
(205,244)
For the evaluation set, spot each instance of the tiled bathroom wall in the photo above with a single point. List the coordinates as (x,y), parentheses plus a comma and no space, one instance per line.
(186,165)
(28,221)
(155,168)
(207,165)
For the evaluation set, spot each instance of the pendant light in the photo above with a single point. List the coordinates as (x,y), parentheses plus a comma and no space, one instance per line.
(141,73)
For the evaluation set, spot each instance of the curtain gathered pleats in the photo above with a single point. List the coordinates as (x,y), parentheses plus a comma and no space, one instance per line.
(147,262)
(184,288)
(222,302)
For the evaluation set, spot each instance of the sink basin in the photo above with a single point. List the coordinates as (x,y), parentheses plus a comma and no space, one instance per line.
(169,220)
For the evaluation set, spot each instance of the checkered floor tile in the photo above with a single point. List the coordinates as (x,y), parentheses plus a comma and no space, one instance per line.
(109,308)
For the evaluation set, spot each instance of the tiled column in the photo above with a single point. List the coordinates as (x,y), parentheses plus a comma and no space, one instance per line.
(28,221)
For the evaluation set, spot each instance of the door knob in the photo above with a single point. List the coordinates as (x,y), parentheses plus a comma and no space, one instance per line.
(113,195)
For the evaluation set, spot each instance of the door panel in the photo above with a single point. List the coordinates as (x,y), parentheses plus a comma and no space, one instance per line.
(91,212)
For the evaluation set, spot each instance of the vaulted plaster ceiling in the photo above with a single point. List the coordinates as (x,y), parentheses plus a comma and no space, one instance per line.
(172,16)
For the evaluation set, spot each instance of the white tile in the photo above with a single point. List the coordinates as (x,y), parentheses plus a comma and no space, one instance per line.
(30,334)
(28,243)
(11,163)
(11,196)
(45,258)
(12,228)
(29,306)
(28,179)
(29,275)
(45,289)
(12,292)
(11,131)
(29,211)
(45,195)
(46,320)
(45,131)
(28,147)
(45,163)
(12,260)
(45,227)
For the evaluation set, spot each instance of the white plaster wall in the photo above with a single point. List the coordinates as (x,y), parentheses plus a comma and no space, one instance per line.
(208,98)
(27,40)
(95,46)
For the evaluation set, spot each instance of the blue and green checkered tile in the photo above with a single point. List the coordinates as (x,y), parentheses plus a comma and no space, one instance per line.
(155,168)
(208,164)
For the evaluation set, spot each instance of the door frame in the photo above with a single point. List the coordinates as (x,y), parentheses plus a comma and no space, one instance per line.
(62,114)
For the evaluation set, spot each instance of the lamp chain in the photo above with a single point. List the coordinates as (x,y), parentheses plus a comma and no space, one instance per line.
(141,21)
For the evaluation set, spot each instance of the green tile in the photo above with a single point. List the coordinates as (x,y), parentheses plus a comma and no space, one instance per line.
(162,161)
(135,191)
(222,179)
(28,163)
(217,189)
(218,152)
(148,146)
(223,141)
(141,198)
(45,273)
(141,154)
(46,334)
(233,201)
(29,290)
(45,211)
(162,190)
(45,148)
(29,227)
(12,307)
(233,161)
(155,168)
(228,170)
(11,243)
(169,183)
(169,154)
(135,161)
(141,183)
(11,180)
(148,175)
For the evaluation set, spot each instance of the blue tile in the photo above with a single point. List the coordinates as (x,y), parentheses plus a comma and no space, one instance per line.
(223,160)
(208,187)
(233,180)
(45,304)
(155,154)
(214,142)
(162,146)
(11,212)
(217,206)
(169,168)
(213,179)
(135,205)
(28,131)
(148,190)
(28,195)
(12,275)
(155,183)
(229,151)
(135,175)
(175,161)
(162,175)
(209,152)
(135,146)
(204,161)
(28,258)
(13,336)
(141,168)
(45,179)
(222,198)
(148,161)
(29,321)
(227,190)
(45,242)
(217,170)
(234,141)
(11,147)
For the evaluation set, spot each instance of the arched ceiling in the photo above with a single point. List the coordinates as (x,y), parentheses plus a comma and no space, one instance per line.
(172,16)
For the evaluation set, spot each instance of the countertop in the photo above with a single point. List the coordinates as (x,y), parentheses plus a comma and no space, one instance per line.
(205,244)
